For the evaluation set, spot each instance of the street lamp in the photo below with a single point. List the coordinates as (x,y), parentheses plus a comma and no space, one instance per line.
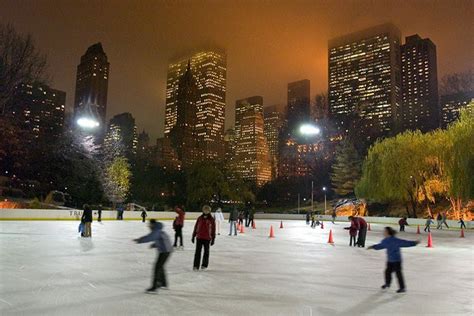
(309,130)
(325,208)
(87,123)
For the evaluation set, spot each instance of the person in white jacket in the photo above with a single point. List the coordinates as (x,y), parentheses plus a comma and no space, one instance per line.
(219,218)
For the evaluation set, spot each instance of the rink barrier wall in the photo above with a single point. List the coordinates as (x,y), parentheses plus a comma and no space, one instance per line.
(35,214)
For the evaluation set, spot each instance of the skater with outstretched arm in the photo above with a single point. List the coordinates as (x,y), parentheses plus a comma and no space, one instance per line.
(394,256)
(428,223)
(162,243)
(205,233)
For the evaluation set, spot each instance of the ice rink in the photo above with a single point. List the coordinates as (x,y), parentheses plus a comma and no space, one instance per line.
(47,269)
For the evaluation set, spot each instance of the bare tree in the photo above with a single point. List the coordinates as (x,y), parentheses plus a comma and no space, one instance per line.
(20,61)
(457,83)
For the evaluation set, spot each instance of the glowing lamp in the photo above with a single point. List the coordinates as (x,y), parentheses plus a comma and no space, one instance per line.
(309,130)
(87,123)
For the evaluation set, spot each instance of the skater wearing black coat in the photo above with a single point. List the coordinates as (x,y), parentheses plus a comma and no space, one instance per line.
(394,256)
(87,220)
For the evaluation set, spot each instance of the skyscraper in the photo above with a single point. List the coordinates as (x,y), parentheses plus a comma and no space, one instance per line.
(420,108)
(121,138)
(209,71)
(184,133)
(365,80)
(92,82)
(39,109)
(242,106)
(273,122)
(252,155)
(299,105)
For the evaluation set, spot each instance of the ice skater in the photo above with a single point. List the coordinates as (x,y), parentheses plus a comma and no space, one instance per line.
(205,233)
(247,216)
(443,220)
(439,220)
(428,223)
(219,218)
(241,217)
(333,215)
(251,217)
(99,213)
(144,216)
(162,243)
(352,234)
(233,217)
(394,256)
(403,222)
(87,220)
(461,221)
(178,225)
(308,218)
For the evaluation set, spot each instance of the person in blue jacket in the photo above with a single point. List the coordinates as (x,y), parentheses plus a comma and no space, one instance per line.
(394,256)
(163,244)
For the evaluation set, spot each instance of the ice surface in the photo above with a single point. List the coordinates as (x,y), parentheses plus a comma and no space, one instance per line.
(47,270)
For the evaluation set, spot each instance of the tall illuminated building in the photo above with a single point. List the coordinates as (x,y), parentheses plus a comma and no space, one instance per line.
(121,138)
(252,155)
(209,71)
(273,122)
(39,110)
(365,81)
(183,135)
(420,106)
(92,81)
(299,105)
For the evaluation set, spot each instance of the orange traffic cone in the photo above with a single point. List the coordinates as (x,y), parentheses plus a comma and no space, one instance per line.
(281,224)
(272,235)
(322,225)
(462,233)
(369,227)
(430,241)
(242,229)
(418,230)
(253,225)
(330,240)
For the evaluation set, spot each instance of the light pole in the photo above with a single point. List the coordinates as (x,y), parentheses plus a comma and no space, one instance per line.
(325,208)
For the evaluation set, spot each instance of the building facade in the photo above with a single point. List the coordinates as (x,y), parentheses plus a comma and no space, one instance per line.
(420,106)
(273,123)
(121,138)
(92,81)
(365,80)
(209,71)
(252,155)
(299,106)
(452,104)
(40,110)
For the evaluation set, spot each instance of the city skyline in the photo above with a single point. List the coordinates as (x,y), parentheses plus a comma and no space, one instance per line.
(143,90)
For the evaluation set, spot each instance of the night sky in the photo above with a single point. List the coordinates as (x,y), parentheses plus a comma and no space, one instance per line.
(268,43)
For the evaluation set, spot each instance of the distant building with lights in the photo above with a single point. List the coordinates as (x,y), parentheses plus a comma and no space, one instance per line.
(164,154)
(252,155)
(365,80)
(209,72)
(298,109)
(121,138)
(273,122)
(420,104)
(92,81)
(452,104)
(39,110)
(229,145)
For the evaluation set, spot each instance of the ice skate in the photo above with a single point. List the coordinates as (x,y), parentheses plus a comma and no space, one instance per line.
(401,291)
(385,286)
(152,290)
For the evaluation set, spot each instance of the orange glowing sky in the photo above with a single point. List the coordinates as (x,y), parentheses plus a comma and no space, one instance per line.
(268,43)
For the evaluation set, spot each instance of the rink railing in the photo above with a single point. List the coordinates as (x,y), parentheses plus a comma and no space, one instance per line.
(35,214)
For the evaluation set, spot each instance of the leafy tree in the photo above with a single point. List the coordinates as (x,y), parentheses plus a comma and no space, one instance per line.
(117,180)
(346,169)
(20,61)
(212,183)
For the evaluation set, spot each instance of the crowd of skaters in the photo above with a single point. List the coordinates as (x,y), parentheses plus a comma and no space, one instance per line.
(207,226)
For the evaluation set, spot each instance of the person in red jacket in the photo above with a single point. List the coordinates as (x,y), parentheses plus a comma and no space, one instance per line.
(178,227)
(362,232)
(353,232)
(205,233)
(403,222)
